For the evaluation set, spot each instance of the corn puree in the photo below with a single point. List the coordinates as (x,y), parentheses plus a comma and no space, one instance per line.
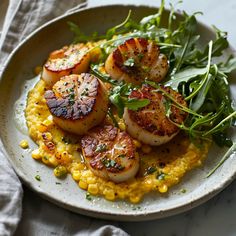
(161,167)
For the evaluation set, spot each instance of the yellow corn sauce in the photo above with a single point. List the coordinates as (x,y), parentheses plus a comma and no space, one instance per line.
(160,167)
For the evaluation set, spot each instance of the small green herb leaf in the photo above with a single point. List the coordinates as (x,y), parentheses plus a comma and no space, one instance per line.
(229,66)
(150,170)
(135,104)
(37,177)
(129,62)
(88,196)
(184,76)
(101,148)
(183,190)
(161,176)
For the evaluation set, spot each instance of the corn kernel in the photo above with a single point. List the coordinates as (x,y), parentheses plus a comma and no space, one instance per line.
(47,136)
(60,171)
(76,155)
(93,189)
(24,144)
(91,180)
(65,156)
(83,184)
(109,194)
(137,144)
(44,147)
(38,69)
(36,154)
(47,122)
(86,174)
(163,188)
(53,161)
(148,184)
(95,53)
(110,184)
(45,159)
(122,126)
(199,162)
(135,198)
(81,166)
(42,128)
(146,149)
(121,194)
(76,175)
(133,184)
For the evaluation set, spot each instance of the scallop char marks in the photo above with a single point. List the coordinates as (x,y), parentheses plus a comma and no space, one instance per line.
(110,153)
(135,60)
(73,59)
(77,102)
(150,124)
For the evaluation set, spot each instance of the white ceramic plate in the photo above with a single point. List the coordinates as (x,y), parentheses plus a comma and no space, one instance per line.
(17,80)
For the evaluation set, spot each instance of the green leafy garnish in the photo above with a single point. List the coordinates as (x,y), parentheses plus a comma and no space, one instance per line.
(129,62)
(150,170)
(109,163)
(161,176)
(37,177)
(88,196)
(119,98)
(199,74)
(224,158)
(183,190)
(101,148)
(111,115)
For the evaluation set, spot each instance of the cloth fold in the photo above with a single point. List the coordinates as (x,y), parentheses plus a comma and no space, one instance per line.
(22,17)
(10,196)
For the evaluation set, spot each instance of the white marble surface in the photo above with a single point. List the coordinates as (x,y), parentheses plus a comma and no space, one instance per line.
(214,218)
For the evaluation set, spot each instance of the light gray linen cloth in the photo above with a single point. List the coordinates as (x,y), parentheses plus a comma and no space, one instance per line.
(39,216)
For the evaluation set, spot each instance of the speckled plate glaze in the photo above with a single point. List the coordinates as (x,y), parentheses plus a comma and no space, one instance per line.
(17,80)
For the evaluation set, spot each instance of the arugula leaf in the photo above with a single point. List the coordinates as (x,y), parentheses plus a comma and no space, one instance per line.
(219,125)
(184,36)
(222,140)
(123,27)
(155,19)
(79,36)
(185,75)
(95,69)
(116,100)
(201,96)
(224,158)
(111,115)
(219,45)
(206,75)
(229,66)
(112,31)
(120,98)
(135,104)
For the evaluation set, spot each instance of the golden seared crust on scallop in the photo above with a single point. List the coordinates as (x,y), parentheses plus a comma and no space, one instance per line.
(73,59)
(150,124)
(135,60)
(110,153)
(77,102)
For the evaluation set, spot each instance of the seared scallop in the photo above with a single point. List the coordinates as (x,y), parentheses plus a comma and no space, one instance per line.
(110,153)
(73,59)
(150,124)
(77,102)
(135,60)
